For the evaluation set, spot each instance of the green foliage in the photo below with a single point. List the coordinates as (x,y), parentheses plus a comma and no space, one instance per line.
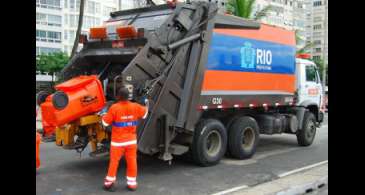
(52,62)
(263,12)
(320,65)
(244,9)
(305,47)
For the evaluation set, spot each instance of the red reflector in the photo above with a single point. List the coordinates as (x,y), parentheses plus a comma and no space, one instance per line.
(118,44)
(98,33)
(171,3)
(304,56)
(127,32)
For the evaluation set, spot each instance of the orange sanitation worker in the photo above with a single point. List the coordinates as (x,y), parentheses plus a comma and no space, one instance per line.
(123,116)
(38,141)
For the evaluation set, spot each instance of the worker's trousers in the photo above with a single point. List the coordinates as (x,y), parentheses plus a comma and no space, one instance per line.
(38,141)
(116,152)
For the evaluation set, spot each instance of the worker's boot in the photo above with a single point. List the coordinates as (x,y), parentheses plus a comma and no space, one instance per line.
(109,188)
(132,188)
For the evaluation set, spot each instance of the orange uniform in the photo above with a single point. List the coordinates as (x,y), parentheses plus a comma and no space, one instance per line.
(123,116)
(38,141)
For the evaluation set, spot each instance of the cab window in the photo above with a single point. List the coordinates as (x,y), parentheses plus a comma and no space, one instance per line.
(310,74)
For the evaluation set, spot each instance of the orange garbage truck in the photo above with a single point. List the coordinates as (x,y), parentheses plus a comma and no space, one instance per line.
(214,82)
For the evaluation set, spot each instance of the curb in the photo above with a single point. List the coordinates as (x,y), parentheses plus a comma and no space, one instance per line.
(305,188)
(305,180)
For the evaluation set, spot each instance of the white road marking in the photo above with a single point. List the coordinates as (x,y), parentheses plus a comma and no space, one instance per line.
(257,157)
(302,169)
(231,190)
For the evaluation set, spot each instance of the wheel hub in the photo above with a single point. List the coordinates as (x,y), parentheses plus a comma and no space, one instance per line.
(248,138)
(311,130)
(213,143)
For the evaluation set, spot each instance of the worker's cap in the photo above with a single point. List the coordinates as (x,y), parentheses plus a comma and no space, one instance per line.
(124,93)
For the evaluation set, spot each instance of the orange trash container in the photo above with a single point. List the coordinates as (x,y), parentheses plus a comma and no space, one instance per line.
(74,98)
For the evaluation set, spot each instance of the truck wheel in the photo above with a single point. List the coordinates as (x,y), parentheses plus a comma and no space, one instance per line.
(209,143)
(243,137)
(228,126)
(306,135)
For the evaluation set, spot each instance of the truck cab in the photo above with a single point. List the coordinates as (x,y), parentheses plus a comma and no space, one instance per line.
(309,87)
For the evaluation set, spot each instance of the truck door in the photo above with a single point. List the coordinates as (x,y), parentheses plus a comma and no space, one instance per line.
(312,90)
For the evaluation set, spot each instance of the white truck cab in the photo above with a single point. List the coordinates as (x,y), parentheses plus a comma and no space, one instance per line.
(309,88)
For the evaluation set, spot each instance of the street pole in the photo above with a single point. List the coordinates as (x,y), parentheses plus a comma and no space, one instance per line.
(325,48)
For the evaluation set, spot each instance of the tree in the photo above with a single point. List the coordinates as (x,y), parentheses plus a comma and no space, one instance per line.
(244,9)
(320,64)
(307,46)
(52,62)
(79,26)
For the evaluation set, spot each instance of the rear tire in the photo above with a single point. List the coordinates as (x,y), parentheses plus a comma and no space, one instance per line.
(228,126)
(209,142)
(243,137)
(305,136)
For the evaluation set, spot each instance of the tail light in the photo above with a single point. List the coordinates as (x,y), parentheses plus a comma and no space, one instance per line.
(98,33)
(127,32)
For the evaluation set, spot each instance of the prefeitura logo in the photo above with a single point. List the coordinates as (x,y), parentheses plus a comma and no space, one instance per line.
(255,58)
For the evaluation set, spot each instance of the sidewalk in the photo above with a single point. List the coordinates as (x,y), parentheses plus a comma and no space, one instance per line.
(309,181)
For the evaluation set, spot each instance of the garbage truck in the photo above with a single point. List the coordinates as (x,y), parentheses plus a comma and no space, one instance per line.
(215,82)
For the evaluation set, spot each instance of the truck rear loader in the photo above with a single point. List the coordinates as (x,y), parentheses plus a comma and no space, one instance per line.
(215,83)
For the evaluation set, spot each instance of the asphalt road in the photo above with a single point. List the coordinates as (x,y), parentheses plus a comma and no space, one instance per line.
(64,172)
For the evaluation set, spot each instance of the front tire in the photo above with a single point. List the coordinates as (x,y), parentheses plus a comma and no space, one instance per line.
(209,143)
(305,136)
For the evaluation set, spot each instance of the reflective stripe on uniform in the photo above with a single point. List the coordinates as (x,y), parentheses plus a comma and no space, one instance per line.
(110,178)
(131,178)
(124,143)
(145,114)
(132,183)
(108,183)
(104,123)
(125,124)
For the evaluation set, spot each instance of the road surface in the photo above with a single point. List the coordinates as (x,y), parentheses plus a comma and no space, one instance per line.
(63,172)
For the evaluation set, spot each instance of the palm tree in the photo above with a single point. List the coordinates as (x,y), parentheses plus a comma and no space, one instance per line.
(244,9)
(307,46)
(79,26)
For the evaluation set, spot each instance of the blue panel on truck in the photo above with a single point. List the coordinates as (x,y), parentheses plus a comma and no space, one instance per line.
(234,53)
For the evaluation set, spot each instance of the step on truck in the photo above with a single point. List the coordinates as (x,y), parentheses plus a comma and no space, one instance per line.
(215,83)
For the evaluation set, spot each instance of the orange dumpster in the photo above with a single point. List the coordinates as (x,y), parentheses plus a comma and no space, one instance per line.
(74,98)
